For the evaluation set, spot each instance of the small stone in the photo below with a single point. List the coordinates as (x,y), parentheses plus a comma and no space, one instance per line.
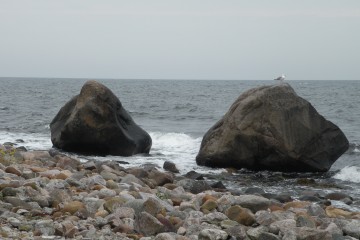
(238,232)
(218,185)
(160,178)
(253,202)
(107,175)
(209,205)
(170,166)
(241,215)
(337,196)
(305,221)
(14,221)
(16,202)
(181,231)
(353,229)
(194,175)
(214,218)
(73,207)
(89,165)
(65,162)
(194,186)
(111,184)
(282,225)
(226,224)
(153,206)
(130,179)
(255,233)
(333,212)
(101,213)
(124,212)
(69,229)
(296,204)
(316,210)
(213,234)
(45,227)
(13,170)
(111,204)
(164,236)
(148,225)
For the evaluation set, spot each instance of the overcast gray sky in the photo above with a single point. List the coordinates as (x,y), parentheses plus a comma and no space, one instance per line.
(180,39)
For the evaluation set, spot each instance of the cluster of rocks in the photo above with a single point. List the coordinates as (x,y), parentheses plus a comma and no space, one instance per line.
(48,195)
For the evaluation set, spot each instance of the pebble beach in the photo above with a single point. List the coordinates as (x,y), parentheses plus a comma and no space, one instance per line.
(49,195)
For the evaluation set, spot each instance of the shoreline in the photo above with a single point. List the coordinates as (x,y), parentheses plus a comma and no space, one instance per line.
(49,195)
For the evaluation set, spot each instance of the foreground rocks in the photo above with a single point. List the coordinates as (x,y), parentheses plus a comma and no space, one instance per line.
(272,128)
(53,196)
(94,122)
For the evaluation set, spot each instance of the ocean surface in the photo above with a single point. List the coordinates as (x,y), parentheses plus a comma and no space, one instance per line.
(177,114)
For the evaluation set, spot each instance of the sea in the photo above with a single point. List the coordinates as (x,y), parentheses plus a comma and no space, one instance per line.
(177,113)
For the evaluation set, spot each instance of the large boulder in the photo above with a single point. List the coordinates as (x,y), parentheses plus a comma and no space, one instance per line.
(94,122)
(272,128)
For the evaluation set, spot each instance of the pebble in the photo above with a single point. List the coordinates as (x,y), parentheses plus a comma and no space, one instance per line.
(57,197)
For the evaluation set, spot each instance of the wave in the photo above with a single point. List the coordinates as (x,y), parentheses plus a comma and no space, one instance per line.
(31,141)
(349,173)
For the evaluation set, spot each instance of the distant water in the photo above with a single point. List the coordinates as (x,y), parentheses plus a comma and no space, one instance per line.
(175,113)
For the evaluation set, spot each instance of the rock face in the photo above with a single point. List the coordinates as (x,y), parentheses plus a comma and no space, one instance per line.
(94,122)
(272,128)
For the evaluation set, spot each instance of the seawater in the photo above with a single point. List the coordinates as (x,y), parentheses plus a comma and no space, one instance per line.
(176,114)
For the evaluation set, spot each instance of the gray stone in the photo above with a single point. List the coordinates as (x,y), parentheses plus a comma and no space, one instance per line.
(194,186)
(92,204)
(239,232)
(45,227)
(16,202)
(125,212)
(352,229)
(282,225)
(268,236)
(253,202)
(272,128)
(137,205)
(214,218)
(170,166)
(148,225)
(165,236)
(129,179)
(255,233)
(94,122)
(305,221)
(305,233)
(212,234)
(227,224)
(95,180)
(333,231)
(14,221)
(316,210)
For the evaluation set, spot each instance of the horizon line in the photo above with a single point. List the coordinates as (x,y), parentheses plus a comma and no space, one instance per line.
(176,79)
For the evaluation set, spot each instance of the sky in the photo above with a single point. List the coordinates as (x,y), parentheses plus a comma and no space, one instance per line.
(181,39)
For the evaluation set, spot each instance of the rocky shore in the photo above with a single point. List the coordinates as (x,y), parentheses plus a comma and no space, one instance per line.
(48,195)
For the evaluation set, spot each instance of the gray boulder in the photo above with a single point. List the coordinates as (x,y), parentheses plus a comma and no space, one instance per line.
(94,122)
(272,128)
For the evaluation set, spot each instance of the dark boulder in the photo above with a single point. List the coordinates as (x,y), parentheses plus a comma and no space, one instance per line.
(272,128)
(94,122)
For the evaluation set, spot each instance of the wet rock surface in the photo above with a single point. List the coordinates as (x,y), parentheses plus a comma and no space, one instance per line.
(52,196)
(95,122)
(272,128)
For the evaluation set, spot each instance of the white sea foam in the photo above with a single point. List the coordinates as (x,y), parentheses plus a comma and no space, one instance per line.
(349,173)
(179,148)
(32,141)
